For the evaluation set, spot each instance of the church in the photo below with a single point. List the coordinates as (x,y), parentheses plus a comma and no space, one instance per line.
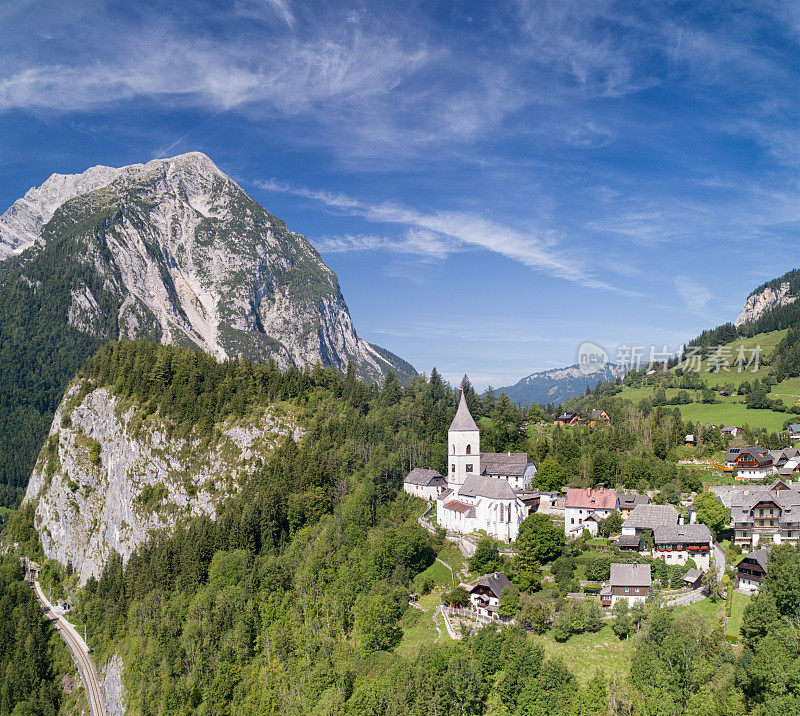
(484,491)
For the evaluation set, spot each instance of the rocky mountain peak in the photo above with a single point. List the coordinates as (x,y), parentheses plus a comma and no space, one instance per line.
(764,300)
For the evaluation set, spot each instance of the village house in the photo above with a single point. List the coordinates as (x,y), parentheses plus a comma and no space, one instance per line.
(750,463)
(485,491)
(484,594)
(424,483)
(677,543)
(794,431)
(751,570)
(731,430)
(765,515)
(645,518)
(627,501)
(584,508)
(570,418)
(627,581)
(630,543)
(599,417)
(693,579)
(689,440)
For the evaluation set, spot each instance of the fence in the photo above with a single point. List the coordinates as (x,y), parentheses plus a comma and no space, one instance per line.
(472,614)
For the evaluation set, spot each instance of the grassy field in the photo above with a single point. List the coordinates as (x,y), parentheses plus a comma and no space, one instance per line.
(767,342)
(419,628)
(740,601)
(788,391)
(713,612)
(585,653)
(730,410)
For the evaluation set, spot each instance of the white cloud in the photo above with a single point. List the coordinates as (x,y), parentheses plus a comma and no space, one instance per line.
(695,296)
(437,233)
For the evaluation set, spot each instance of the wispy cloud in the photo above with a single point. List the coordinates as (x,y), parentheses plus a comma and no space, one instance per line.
(436,234)
(694,295)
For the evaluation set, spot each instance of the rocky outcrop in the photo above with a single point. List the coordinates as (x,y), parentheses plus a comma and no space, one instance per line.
(106,477)
(759,303)
(113,689)
(175,251)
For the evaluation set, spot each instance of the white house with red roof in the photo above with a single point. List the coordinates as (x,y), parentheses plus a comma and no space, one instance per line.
(585,507)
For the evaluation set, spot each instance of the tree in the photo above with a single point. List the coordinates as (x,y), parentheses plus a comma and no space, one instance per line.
(539,540)
(486,558)
(459,597)
(550,476)
(711,583)
(622,621)
(509,603)
(533,614)
(711,512)
(611,525)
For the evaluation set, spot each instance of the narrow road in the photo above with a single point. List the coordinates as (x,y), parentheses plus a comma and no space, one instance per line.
(719,557)
(80,655)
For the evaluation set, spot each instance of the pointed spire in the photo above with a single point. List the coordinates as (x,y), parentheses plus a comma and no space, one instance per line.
(463,420)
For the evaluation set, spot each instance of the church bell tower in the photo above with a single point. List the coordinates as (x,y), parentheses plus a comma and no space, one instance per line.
(464,446)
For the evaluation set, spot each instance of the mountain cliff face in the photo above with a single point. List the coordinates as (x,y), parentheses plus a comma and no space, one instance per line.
(106,478)
(557,385)
(765,299)
(172,251)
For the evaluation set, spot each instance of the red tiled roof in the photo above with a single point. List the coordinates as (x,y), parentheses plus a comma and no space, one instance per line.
(591,499)
(457,506)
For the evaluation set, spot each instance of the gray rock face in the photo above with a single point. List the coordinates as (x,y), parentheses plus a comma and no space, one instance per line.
(113,689)
(175,251)
(759,303)
(104,479)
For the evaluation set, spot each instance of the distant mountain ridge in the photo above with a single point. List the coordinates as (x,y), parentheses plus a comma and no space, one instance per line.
(559,384)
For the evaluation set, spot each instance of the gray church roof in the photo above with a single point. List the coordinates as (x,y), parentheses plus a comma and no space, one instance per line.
(491,487)
(463,420)
(424,477)
(506,463)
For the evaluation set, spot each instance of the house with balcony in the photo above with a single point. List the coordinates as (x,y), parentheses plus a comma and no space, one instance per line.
(484,594)
(570,418)
(675,544)
(765,516)
(750,463)
(751,570)
(628,501)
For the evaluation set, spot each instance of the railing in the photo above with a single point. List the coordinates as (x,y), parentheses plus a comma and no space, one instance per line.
(473,614)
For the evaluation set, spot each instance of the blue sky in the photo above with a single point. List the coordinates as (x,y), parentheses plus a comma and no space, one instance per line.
(492,182)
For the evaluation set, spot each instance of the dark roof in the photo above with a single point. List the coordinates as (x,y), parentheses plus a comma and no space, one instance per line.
(692,575)
(627,500)
(505,463)
(729,429)
(496,582)
(630,575)
(757,453)
(463,419)
(760,556)
(444,495)
(629,540)
(492,487)
(648,517)
(671,534)
(423,476)
(597,414)
(787,500)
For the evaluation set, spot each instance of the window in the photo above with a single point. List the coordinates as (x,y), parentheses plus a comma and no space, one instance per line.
(469,468)
(469,449)
(452,468)
(627,590)
(572,521)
